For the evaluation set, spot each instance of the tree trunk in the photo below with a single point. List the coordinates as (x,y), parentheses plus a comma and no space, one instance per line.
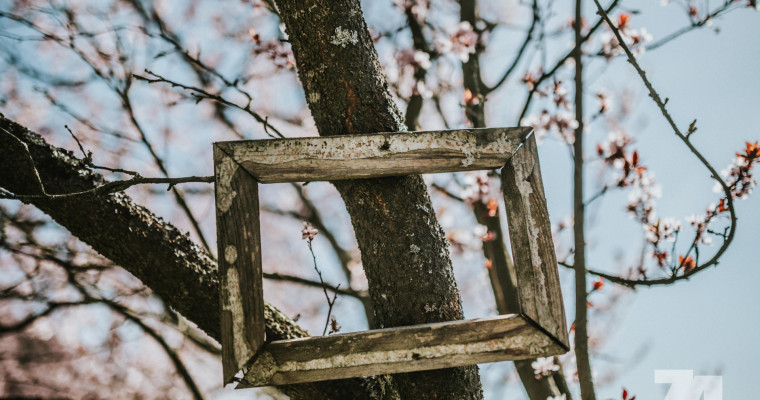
(404,251)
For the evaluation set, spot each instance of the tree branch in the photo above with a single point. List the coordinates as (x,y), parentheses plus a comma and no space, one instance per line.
(275,276)
(520,52)
(724,8)
(546,75)
(685,139)
(201,94)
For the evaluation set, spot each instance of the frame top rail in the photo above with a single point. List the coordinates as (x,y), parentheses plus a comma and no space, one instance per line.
(375,155)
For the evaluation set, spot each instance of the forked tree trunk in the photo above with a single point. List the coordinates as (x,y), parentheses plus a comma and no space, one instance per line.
(404,251)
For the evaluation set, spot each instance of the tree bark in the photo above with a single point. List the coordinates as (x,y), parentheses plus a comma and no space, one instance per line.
(404,251)
(154,251)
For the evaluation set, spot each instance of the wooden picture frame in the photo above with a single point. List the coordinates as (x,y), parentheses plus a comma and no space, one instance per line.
(538,330)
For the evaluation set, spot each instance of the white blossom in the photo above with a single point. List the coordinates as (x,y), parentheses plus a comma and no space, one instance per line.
(544,366)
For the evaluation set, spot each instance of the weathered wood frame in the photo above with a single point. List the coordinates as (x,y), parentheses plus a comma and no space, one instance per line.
(538,330)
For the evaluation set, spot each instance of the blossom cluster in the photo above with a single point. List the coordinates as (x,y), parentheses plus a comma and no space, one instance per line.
(629,172)
(740,180)
(703,16)
(544,366)
(478,187)
(562,121)
(418,8)
(634,38)
(405,73)
(461,42)
(738,177)
(278,52)
(308,232)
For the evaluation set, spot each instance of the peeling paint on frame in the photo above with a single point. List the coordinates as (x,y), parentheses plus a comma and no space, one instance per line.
(233,303)
(230,254)
(535,344)
(280,151)
(526,190)
(226,169)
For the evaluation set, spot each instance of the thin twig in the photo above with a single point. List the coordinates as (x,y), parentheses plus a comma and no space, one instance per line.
(178,195)
(726,7)
(31,159)
(528,38)
(201,94)
(560,63)
(330,302)
(596,196)
(447,192)
(173,356)
(82,120)
(307,282)
(107,188)
(201,69)
(87,157)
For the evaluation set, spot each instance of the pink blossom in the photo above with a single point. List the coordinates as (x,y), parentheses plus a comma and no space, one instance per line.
(478,186)
(562,123)
(738,176)
(700,224)
(605,103)
(664,229)
(462,42)
(418,8)
(413,58)
(632,37)
(277,51)
(308,232)
(544,366)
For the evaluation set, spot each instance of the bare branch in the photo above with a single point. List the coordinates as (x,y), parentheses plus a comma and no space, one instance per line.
(330,303)
(201,94)
(520,52)
(303,281)
(723,9)
(170,352)
(546,75)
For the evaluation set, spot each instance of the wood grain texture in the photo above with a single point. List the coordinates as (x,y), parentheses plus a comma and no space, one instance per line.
(398,350)
(375,155)
(532,244)
(241,296)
